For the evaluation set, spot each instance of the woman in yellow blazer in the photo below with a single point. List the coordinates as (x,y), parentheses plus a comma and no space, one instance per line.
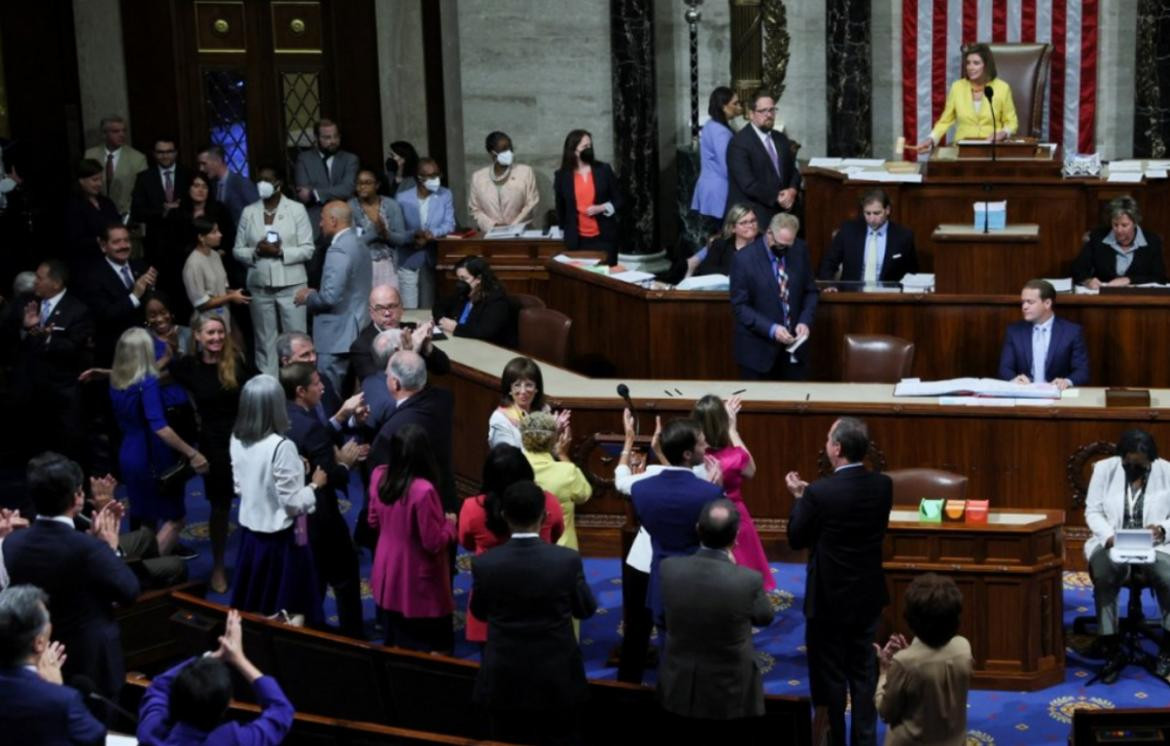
(967,105)
(546,444)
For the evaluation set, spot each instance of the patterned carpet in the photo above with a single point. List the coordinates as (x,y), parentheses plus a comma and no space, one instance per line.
(994,717)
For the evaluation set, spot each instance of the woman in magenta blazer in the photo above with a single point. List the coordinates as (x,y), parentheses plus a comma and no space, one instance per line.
(411,575)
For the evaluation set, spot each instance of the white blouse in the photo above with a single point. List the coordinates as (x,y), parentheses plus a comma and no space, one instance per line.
(269,477)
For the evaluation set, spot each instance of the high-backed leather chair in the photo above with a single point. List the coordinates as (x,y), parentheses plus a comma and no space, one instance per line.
(876,358)
(1025,68)
(544,334)
(911,485)
(524,300)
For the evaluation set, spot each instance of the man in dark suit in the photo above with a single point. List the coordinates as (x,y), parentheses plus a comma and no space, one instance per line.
(54,340)
(430,408)
(333,549)
(229,188)
(322,174)
(159,189)
(81,572)
(1043,348)
(872,248)
(761,167)
(532,679)
(773,299)
(841,520)
(709,674)
(113,287)
(668,504)
(385,309)
(38,708)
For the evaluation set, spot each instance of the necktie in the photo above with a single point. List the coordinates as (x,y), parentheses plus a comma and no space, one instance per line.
(328,171)
(168,185)
(220,188)
(782,279)
(1039,352)
(45,309)
(871,247)
(771,148)
(109,173)
(127,278)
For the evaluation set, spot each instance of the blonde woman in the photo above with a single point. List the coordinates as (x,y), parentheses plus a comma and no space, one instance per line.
(149,444)
(542,437)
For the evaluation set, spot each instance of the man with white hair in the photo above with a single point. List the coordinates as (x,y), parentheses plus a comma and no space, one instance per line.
(416,403)
(122,163)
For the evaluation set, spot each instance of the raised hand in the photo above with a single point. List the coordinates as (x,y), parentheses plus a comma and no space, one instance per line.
(10,520)
(50,662)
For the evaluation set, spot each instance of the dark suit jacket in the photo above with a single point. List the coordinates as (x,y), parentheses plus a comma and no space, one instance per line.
(37,712)
(842,521)
(848,252)
(606,189)
(148,198)
(752,180)
(378,399)
(709,667)
(315,441)
(492,319)
(1097,259)
(361,356)
(84,579)
(432,409)
(83,224)
(668,506)
(755,302)
(56,359)
(529,592)
(107,296)
(238,193)
(1067,356)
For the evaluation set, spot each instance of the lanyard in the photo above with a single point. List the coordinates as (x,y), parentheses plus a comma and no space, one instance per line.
(1131,500)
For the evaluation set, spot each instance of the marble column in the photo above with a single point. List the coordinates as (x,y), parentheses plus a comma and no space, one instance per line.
(101,67)
(1151,126)
(848,79)
(635,121)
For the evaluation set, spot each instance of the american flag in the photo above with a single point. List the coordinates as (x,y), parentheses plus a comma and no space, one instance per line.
(933,31)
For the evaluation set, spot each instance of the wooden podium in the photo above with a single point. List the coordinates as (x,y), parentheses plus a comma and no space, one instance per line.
(1010,573)
(999,262)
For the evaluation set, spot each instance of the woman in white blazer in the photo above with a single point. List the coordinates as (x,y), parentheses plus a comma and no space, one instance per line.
(276,269)
(1130,490)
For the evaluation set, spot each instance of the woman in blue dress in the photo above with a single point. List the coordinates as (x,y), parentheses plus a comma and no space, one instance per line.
(149,445)
(710,199)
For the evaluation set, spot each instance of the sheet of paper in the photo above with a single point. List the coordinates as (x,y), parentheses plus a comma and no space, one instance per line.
(824,162)
(864,162)
(796,345)
(632,276)
(1124,177)
(533,233)
(1060,284)
(641,552)
(1156,173)
(576,262)
(1126,165)
(705,282)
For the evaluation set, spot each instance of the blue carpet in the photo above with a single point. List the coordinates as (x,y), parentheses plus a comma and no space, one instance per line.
(994,717)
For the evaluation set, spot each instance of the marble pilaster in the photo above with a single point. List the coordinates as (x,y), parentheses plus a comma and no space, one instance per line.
(1151,126)
(848,80)
(635,121)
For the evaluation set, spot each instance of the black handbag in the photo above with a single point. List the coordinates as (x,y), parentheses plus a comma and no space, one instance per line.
(173,479)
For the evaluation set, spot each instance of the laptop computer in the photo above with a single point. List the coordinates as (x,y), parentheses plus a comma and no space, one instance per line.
(1132,546)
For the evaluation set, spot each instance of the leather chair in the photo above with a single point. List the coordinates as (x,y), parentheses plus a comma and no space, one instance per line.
(544,334)
(1025,68)
(524,300)
(876,358)
(911,485)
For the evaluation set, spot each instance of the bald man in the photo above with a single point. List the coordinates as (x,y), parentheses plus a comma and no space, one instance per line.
(339,307)
(385,309)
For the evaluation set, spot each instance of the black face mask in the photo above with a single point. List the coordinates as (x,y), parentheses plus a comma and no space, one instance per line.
(462,288)
(391,167)
(586,156)
(1134,472)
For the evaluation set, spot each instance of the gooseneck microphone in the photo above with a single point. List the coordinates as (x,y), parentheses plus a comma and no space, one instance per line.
(88,690)
(989,94)
(624,392)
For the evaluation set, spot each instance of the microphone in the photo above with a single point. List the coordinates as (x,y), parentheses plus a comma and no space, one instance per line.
(989,93)
(624,392)
(88,689)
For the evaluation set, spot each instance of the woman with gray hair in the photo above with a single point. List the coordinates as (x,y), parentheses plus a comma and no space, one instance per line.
(547,448)
(274,567)
(1123,254)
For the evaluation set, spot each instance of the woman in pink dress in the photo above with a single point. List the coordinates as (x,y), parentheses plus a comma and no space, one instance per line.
(718,420)
(411,574)
(482,526)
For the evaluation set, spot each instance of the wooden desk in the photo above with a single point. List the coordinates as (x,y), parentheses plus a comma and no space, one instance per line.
(1065,209)
(1015,456)
(1009,571)
(621,329)
(962,252)
(518,263)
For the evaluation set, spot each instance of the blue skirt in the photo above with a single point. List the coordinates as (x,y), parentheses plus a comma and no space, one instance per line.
(273,573)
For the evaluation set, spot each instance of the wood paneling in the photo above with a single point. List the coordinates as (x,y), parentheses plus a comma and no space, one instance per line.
(220,27)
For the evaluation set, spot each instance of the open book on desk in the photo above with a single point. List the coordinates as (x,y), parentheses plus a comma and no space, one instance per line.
(991,387)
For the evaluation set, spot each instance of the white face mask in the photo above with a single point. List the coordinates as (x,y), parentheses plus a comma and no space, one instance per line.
(7,185)
(504,158)
(266,189)
(432,185)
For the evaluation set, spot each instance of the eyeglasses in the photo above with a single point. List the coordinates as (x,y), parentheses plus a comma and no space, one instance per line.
(523,386)
(772,110)
(165,152)
(387,307)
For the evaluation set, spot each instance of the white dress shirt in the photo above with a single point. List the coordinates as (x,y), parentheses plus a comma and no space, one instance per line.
(49,304)
(269,477)
(134,301)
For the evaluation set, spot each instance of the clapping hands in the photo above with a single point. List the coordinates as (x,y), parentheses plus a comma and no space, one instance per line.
(886,654)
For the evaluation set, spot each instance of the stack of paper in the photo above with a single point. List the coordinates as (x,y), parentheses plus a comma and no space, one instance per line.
(633,276)
(566,259)
(507,231)
(992,387)
(705,282)
(1060,284)
(917,283)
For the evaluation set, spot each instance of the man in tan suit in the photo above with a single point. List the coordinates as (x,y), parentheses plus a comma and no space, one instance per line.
(122,163)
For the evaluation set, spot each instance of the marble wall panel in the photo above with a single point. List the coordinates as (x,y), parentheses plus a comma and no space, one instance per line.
(1151,126)
(848,81)
(635,119)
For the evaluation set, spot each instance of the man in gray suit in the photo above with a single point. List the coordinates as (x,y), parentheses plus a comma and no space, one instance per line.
(709,677)
(122,163)
(339,307)
(322,174)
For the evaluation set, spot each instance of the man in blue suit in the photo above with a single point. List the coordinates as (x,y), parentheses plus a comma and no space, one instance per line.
(232,190)
(37,708)
(668,504)
(339,307)
(773,299)
(1042,347)
(871,248)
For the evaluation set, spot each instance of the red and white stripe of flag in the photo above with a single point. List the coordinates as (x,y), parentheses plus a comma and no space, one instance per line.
(933,31)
